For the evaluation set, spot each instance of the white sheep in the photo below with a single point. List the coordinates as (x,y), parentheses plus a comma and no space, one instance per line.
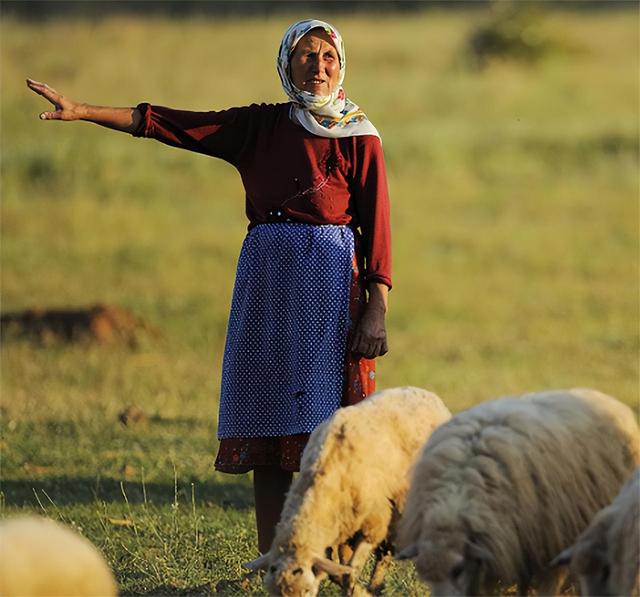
(606,557)
(39,557)
(352,485)
(502,487)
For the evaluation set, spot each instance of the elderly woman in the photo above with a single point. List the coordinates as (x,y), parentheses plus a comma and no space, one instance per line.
(310,297)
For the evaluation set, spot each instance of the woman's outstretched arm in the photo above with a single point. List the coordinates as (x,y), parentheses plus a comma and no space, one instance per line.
(119,119)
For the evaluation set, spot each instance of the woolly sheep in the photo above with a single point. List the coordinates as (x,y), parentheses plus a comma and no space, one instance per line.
(606,557)
(39,556)
(504,486)
(353,482)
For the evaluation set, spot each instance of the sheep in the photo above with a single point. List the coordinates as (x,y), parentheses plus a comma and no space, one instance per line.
(502,487)
(352,485)
(606,556)
(43,557)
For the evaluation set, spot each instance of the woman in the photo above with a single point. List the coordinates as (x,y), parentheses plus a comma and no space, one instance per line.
(305,322)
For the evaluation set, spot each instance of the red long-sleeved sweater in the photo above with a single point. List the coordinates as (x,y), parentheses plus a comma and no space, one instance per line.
(288,172)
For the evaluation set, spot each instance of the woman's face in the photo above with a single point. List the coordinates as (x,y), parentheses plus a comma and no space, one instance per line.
(315,66)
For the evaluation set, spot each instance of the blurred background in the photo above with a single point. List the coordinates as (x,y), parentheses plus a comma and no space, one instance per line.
(510,131)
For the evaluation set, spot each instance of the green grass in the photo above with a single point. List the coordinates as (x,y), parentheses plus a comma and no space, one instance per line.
(515,224)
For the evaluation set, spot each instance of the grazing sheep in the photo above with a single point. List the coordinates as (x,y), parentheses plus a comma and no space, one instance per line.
(502,487)
(352,486)
(606,557)
(39,556)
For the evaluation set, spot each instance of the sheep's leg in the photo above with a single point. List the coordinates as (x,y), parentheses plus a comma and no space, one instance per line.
(360,555)
(361,552)
(341,554)
(345,552)
(360,591)
(384,557)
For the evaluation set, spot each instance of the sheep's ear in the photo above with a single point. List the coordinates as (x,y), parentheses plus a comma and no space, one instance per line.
(330,567)
(408,553)
(563,558)
(260,563)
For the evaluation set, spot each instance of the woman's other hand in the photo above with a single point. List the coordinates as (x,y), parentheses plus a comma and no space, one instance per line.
(370,336)
(65,109)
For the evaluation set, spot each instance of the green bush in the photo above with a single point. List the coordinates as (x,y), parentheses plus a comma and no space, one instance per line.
(515,31)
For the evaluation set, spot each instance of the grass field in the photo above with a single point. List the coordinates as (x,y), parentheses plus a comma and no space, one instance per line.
(515,222)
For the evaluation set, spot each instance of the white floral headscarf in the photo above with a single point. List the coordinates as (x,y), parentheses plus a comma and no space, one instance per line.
(323,115)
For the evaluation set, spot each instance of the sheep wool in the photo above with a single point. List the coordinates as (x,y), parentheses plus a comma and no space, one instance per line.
(39,557)
(606,556)
(503,487)
(352,486)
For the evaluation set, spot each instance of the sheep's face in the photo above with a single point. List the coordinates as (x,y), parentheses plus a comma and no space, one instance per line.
(451,564)
(593,571)
(290,577)
(595,584)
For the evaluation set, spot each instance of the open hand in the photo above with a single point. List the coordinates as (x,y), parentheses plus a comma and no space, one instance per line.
(65,109)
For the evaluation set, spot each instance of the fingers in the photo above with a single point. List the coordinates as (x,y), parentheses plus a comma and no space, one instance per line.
(369,348)
(44,90)
(378,349)
(50,94)
(359,345)
(372,351)
(57,115)
(36,86)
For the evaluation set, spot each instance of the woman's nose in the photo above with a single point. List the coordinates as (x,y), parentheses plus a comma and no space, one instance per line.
(315,62)
(320,65)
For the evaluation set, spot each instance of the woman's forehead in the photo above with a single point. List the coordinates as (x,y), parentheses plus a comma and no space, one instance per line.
(314,34)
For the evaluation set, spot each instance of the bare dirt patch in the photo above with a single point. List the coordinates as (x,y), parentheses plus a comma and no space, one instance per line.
(100,324)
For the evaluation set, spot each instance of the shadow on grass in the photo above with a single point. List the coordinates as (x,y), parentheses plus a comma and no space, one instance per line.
(247,583)
(64,491)
(168,590)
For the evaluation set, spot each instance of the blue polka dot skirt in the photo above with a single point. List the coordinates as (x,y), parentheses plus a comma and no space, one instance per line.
(283,368)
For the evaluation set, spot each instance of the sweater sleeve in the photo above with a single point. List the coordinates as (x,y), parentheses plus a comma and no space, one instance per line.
(223,134)
(371,201)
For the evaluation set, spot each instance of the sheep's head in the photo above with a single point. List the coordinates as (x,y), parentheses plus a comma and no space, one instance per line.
(451,562)
(288,574)
(290,577)
(590,564)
